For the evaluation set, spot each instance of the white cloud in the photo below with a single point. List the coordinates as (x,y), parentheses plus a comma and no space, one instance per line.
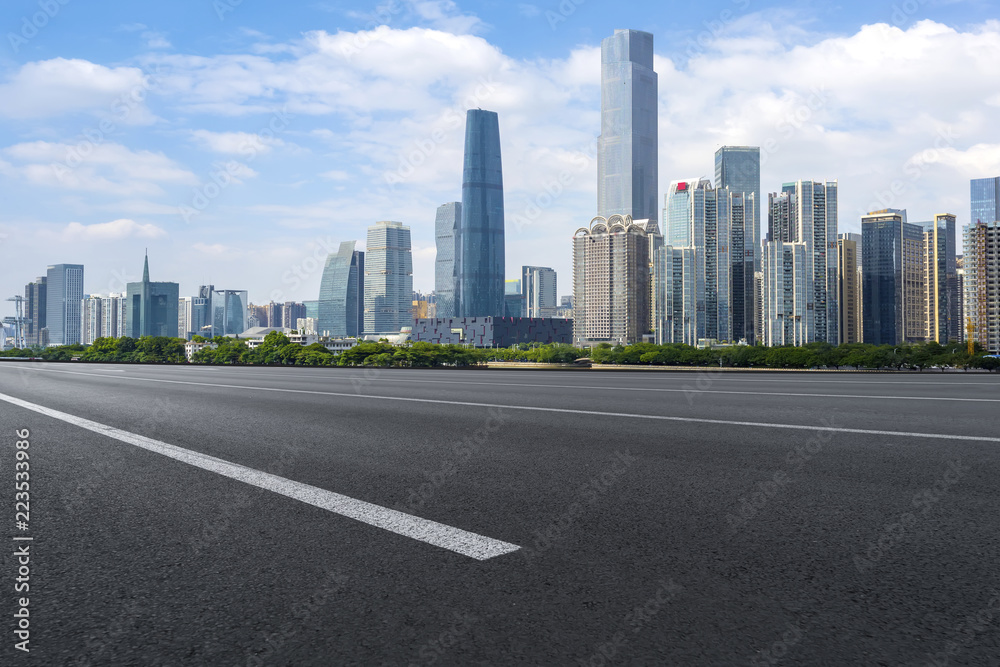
(236,143)
(215,249)
(53,87)
(110,231)
(106,167)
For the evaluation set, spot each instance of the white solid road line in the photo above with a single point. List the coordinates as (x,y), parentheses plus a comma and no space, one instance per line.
(424,530)
(531,408)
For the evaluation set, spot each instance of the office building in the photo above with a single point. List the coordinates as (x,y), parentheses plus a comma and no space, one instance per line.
(985,200)
(804,212)
(981,261)
(388,279)
(34,311)
(291,311)
(611,281)
(492,331)
(90,319)
(342,293)
(63,296)
(893,281)
(710,244)
(849,287)
(151,307)
(538,289)
(627,148)
(480,261)
(738,168)
(786,286)
(447,224)
(274,313)
(941,293)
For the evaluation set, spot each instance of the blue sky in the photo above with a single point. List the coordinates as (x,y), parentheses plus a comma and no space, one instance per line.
(240,143)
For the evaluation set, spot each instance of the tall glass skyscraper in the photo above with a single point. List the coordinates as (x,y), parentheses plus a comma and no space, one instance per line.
(985,200)
(446,228)
(738,168)
(627,149)
(892,278)
(388,270)
(342,293)
(64,296)
(480,261)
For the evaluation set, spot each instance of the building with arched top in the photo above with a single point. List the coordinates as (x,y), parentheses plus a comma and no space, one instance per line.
(611,280)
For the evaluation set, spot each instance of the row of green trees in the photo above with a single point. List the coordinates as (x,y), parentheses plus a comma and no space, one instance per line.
(277,349)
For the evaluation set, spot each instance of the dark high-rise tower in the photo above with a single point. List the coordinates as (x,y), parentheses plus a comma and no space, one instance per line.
(151,308)
(627,149)
(480,260)
(34,311)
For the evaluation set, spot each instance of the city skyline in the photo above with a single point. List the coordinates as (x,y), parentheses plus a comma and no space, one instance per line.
(292,188)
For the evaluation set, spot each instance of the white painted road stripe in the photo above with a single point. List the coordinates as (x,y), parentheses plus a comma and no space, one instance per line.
(424,530)
(531,408)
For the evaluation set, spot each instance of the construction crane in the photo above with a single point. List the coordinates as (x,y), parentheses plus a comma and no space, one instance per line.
(18,321)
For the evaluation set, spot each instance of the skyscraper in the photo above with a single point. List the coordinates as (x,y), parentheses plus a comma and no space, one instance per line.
(64,294)
(480,242)
(388,284)
(611,293)
(892,280)
(627,149)
(229,310)
(941,274)
(985,199)
(712,224)
(34,311)
(981,261)
(538,288)
(849,287)
(807,212)
(151,308)
(446,234)
(342,293)
(738,168)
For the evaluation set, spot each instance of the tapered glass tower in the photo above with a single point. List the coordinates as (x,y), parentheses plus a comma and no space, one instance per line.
(341,302)
(627,148)
(480,258)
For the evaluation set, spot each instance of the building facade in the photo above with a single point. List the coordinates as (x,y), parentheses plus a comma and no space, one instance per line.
(892,284)
(342,293)
(611,281)
(985,200)
(447,224)
(849,287)
(151,307)
(738,168)
(981,261)
(34,311)
(538,289)
(64,294)
(807,212)
(492,331)
(941,294)
(388,279)
(627,164)
(480,263)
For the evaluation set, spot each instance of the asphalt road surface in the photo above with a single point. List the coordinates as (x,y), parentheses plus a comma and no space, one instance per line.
(282,516)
